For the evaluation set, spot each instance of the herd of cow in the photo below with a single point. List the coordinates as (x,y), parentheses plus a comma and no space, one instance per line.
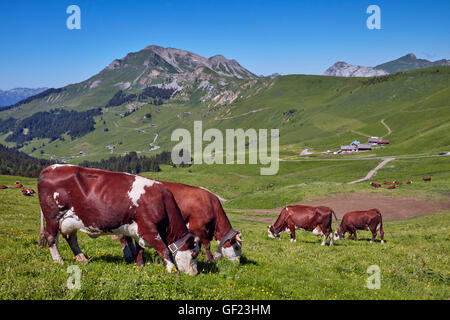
(392,185)
(173,218)
(18,185)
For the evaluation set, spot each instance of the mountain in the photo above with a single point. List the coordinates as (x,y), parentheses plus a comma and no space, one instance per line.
(343,69)
(12,96)
(407,62)
(136,102)
(192,78)
(410,62)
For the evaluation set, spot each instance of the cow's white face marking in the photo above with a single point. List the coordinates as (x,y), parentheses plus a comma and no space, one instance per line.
(185,262)
(138,188)
(317,232)
(233,252)
(187,225)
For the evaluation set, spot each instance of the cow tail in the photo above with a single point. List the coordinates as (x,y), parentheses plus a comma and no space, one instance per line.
(334,214)
(42,237)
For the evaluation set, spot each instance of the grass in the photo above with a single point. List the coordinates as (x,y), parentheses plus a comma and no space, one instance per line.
(413,261)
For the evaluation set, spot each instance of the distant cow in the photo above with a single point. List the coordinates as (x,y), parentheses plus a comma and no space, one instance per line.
(3,187)
(375,185)
(387,182)
(204,216)
(391,187)
(315,219)
(361,220)
(408,182)
(17,184)
(27,192)
(427,179)
(99,202)
(398,182)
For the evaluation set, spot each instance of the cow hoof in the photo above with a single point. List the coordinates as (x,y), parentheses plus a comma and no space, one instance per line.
(292,240)
(60,261)
(382,241)
(80,258)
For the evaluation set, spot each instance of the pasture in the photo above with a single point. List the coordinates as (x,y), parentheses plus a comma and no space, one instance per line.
(413,262)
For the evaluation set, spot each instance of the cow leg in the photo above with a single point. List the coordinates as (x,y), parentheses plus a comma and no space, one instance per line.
(73,243)
(139,255)
(331,238)
(153,239)
(128,248)
(292,229)
(53,246)
(324,241)
(381,232)
(51,234)
(204,240)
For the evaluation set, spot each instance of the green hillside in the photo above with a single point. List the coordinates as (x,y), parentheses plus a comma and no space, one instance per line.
(316,112)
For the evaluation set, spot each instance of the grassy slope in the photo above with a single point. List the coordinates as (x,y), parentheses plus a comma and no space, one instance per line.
(414,263)
(328,111)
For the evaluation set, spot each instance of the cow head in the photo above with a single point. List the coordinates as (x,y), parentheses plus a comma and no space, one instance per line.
(271,233)
(232,248)
(186,257)
(338,234)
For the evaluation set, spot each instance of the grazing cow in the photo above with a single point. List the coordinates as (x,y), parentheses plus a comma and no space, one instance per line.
(408,182)
(3,187)
(27,192)
(18,185)
(361,220)
(99,202)
(387,182)
(375,185)
(204,216)
(398,182)
(391,187)
(315,219)
(427,179)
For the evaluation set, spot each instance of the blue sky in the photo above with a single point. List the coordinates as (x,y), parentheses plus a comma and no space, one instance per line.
(288,37)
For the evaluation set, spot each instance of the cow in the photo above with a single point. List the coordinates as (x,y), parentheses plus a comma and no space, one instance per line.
(18,185)
(427,179)
(99,202)
(361,220)
(409,182)
(387,182)
(27,192)
(315,219)
(391,187)
(375,185)
(3,187)
(398,182)
(204,216)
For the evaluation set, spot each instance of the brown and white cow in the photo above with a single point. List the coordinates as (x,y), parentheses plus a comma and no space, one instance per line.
(99,202)
(204,216)
(361,220)
(315,219)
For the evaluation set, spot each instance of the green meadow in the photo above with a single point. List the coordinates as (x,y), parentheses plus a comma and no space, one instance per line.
(413,262)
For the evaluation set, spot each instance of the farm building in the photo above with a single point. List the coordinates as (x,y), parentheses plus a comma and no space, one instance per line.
(364,147)
(110,147)
(373,140)
(348,148)
(384,142)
